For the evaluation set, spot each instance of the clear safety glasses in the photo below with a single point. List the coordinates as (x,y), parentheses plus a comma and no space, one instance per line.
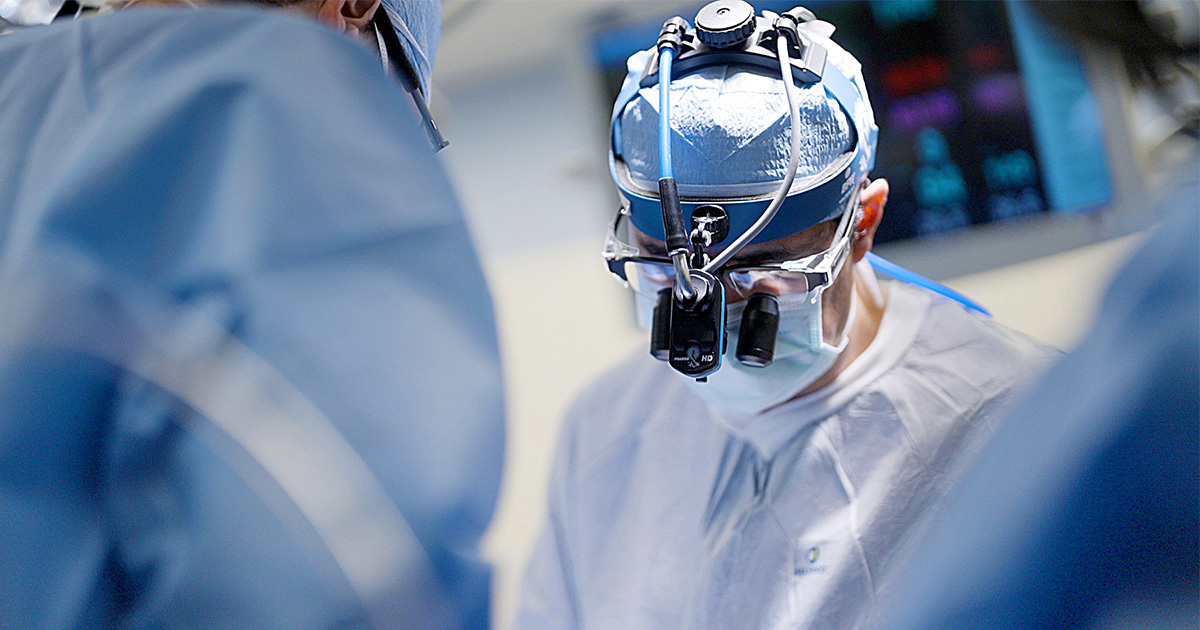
(640,264)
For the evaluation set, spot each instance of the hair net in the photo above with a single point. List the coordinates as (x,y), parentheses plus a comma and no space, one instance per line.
(732,135)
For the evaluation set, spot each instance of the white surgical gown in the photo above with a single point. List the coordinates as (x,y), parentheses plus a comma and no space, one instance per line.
(664,514)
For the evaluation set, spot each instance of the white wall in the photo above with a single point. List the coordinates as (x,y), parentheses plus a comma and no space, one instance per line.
(1051,298)
(528,156)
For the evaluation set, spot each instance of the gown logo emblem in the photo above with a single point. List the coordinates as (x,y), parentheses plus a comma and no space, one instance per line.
(809,563)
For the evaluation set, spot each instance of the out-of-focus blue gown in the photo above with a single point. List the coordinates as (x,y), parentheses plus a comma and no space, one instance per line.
(248,370)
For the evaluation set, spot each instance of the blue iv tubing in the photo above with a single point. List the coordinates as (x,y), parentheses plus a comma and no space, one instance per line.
(900,273)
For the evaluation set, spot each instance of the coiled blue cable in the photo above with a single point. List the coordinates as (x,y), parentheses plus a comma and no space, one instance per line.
(893,270)
(664,112)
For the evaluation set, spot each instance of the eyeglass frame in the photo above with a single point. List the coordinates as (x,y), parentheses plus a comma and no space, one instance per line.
(816,276)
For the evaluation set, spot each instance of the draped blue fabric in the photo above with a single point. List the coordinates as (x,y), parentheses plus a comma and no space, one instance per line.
(263,170)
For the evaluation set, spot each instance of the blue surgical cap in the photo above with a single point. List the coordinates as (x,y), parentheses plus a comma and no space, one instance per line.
(418,24)
(731,141)
(732,134)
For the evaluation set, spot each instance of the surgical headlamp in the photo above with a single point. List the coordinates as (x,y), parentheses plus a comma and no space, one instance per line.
(811,200)
(690,277)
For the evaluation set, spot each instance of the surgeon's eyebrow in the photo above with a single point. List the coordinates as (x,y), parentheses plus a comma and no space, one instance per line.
(771,254)
(654,247)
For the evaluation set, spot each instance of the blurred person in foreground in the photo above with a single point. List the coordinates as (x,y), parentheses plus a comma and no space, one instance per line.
(774,494)
(1085,510)
(248,368)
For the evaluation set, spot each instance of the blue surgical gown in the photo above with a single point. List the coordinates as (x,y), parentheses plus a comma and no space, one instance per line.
(259,172)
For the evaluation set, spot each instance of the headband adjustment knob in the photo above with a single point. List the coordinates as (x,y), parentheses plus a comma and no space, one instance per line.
(725,23)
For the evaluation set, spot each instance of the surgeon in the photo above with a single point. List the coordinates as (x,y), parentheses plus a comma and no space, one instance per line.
(248,368)
(776,490)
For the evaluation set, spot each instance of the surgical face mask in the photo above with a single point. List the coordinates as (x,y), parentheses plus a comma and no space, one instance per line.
(802,355)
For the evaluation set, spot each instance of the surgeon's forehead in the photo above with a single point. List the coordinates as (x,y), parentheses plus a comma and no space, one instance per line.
(815,239)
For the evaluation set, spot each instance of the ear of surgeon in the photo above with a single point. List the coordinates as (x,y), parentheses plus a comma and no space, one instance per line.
(347,16)
(855,282)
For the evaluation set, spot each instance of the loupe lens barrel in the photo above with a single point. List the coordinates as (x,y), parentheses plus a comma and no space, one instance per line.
(660,329)
(760,324)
